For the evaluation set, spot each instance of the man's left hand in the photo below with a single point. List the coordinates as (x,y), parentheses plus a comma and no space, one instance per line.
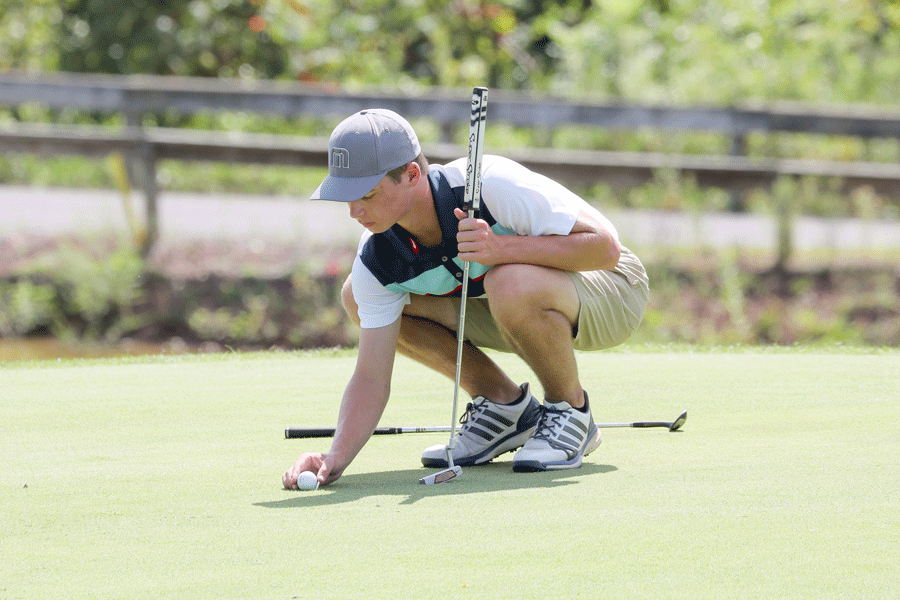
(477,242)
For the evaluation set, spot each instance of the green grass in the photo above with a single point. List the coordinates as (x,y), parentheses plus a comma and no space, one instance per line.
(161,477)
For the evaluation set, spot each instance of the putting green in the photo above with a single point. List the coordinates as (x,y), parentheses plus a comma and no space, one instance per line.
(160,477)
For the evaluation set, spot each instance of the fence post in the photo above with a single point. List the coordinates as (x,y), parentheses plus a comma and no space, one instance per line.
(736,197)
(142,166)
(147,153)
(448,130)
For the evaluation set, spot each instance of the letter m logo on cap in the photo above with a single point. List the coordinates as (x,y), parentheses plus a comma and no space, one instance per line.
(340,158)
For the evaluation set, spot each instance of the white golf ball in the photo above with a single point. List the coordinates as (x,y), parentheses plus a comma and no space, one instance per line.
(307,481)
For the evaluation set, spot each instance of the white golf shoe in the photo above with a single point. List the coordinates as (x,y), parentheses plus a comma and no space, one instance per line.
(488,430)
(564,436)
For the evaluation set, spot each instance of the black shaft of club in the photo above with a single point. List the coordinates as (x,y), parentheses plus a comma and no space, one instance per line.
(326,432)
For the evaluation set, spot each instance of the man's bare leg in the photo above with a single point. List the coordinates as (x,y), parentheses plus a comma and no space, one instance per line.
(427,335)
(536,309)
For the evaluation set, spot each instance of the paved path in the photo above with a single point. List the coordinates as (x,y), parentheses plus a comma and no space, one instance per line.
(297,221)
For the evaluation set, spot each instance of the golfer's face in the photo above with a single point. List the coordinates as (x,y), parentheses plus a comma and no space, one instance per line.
(375,211)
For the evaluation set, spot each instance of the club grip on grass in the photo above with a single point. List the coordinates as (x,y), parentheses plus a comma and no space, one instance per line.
(309,432)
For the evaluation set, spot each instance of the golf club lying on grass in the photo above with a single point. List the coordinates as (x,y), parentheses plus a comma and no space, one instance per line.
(324,432)
(671,426)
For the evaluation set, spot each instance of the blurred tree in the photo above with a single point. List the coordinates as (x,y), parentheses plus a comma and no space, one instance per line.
(213,38)
(722,51)
(691,51)
(28,35)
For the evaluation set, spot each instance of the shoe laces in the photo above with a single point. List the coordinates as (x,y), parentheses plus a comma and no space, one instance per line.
(472,409)
(551,418)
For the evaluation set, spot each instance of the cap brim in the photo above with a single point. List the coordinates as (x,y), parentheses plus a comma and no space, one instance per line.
(345,189)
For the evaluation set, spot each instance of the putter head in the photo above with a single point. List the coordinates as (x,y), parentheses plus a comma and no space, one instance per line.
(677,423)
(447,474)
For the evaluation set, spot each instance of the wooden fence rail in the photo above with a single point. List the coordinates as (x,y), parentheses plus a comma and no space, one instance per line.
(144,94)
(136,96)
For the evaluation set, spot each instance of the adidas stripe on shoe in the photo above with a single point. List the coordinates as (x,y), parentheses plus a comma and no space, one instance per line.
(488,430)
(562,439)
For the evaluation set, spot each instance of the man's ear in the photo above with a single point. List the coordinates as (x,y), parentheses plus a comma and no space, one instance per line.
(413,170)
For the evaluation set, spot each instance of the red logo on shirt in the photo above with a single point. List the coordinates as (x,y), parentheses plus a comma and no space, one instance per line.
(415,246)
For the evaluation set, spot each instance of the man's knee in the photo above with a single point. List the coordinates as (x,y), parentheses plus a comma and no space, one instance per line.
(510,285)
(515,290)
(349,302)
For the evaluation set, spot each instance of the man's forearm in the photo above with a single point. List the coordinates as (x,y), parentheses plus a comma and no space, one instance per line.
(582,251)
(588,247)
(361,409)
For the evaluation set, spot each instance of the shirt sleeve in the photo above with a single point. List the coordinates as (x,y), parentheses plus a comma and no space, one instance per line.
(530,203)
(378,306)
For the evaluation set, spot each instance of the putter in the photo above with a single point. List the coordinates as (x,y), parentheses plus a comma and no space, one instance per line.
(671,425)
(325,432)
(473,203)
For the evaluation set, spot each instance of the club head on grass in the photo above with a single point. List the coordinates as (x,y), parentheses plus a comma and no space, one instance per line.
(677,423)
(444,476)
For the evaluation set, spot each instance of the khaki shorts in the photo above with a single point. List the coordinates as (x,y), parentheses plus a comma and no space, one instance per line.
(612,306)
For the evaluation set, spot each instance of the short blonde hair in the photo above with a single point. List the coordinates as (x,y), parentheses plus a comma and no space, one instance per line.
(397,174)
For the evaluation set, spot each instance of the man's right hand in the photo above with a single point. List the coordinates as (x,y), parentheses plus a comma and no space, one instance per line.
(318,463)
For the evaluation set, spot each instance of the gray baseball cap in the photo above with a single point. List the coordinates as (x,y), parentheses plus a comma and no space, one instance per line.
(362,149)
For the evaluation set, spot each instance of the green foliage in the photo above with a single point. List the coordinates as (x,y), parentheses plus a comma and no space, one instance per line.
(725,298)
(102,292)
(712,299)
(722,52)
(74,294)
(29,35)
(26,306)
(203,38)
(692,51)
(105,294)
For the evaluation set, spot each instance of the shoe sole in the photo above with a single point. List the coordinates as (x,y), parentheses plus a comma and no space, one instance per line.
(533,466)
(509,444)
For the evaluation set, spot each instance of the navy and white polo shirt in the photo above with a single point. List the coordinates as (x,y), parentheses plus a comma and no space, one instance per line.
(514,201)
